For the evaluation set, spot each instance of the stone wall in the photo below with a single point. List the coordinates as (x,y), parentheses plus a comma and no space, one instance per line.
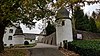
(51,39)
(89,35)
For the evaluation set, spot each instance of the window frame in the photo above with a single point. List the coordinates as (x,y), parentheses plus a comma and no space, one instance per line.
(9,37)
(10,30)
(63,22)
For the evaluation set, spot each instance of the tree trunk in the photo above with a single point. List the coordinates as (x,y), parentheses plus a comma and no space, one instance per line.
(73,23)
(2,29)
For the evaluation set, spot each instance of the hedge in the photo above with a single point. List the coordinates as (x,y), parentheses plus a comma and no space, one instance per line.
(85,47)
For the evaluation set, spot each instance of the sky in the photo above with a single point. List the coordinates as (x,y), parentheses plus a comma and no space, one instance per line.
(88,9)
(36,30)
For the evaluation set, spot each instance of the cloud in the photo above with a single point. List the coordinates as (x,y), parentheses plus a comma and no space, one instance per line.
(35,30)
(88,9)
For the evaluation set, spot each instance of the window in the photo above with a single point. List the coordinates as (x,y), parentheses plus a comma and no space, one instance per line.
(63,22)
(30,40)
(11,31)
(10,38)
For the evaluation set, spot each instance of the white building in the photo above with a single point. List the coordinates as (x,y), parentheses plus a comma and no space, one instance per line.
(11,39)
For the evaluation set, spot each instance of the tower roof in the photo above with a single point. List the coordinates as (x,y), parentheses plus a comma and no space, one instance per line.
(63,13)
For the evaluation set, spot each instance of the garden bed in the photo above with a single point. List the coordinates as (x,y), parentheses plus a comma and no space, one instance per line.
(85,47)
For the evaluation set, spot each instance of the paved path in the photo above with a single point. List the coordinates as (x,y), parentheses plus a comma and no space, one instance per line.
(45,50)
(42,45)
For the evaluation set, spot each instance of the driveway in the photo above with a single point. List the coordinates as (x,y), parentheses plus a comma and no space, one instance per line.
(45,50)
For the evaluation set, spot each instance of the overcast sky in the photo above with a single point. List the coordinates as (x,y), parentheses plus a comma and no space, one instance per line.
(88,9)
(37,30)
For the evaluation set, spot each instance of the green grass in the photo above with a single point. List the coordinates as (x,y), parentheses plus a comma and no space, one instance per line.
(85,47)
(24,46)
(88,44)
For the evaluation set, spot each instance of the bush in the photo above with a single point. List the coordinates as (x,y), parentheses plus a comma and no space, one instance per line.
(85,47)
(26,43)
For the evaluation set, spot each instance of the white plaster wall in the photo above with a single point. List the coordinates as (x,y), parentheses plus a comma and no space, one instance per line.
(15,40)
(18,40)
(33,41)
(64,32)
(7,34)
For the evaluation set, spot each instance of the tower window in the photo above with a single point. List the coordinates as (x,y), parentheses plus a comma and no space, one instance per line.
(63,22)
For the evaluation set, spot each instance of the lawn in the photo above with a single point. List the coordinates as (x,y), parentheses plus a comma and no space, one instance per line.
(24,46)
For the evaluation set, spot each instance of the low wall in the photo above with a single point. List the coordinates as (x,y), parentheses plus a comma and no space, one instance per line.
(89,35)
(51,39)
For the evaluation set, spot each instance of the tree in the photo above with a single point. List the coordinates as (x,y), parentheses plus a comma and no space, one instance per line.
(81,20)
(86,25)
(50,28)
(93,27)
(8,13)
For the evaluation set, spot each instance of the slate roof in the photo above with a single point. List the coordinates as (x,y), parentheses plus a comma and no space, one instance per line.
(63,13)
(18,31)
(29,36)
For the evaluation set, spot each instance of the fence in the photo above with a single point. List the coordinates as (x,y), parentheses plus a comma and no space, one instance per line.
(89,35)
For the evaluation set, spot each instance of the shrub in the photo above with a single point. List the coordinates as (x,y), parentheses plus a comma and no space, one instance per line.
(85,47)
(26,43)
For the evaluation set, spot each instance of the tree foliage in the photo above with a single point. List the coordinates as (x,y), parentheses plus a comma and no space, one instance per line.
(83,22)
(50,28)
(93,27)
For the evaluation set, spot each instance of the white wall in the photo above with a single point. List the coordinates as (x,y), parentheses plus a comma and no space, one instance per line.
(15,40)
(18,40)
(33,41)
(64,32)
